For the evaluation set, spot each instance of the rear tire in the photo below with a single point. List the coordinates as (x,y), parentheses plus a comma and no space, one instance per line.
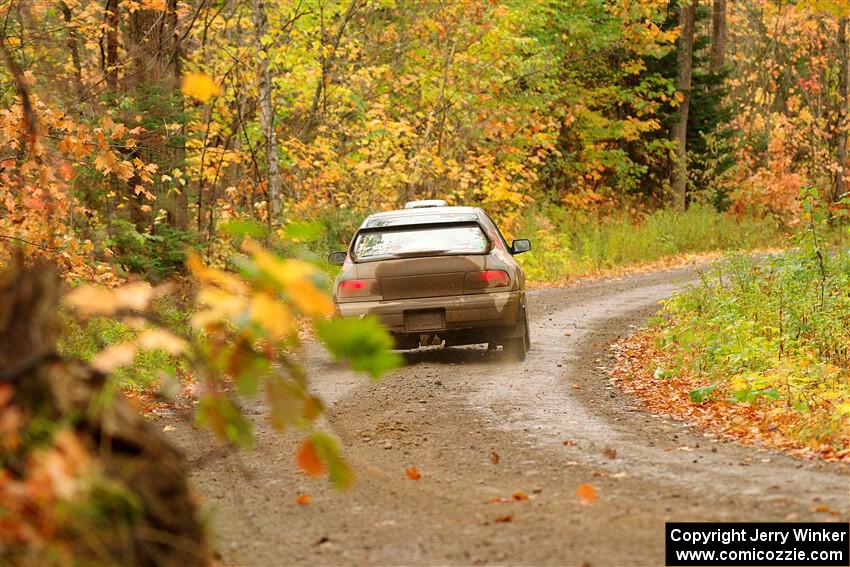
(516,348)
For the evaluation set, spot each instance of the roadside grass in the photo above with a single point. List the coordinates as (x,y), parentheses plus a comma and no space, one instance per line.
(567,246)
(759,350)
(85,339)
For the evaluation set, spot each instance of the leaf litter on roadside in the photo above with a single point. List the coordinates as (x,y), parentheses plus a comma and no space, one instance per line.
(683,395)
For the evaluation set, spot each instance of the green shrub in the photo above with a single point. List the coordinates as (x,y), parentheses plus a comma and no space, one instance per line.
(569,244)
(776,328)
(155,255)
(84,340)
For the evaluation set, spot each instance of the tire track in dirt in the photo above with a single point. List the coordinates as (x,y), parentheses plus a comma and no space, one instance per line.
(448,411)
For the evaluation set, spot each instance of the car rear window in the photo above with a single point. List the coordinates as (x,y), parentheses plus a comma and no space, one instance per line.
(423,240)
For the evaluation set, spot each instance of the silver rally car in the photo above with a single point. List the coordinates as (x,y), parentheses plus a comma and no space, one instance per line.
(434,273)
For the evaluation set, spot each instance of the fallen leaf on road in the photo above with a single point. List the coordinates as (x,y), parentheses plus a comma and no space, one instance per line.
(571,463)
(412,473)
(610,452)
(494,458)
(576,387)
(520,495)
(505,519)
(304,499)
(308,460)
(619,475)
(686,448)
(586,493)
(169,428)
(600,473)
(820,508)
(499,500)
(568,442)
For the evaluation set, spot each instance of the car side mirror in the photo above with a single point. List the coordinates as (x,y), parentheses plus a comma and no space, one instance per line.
(520,246)
(337,258)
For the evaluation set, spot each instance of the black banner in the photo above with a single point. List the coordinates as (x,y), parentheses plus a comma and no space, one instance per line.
(762,544)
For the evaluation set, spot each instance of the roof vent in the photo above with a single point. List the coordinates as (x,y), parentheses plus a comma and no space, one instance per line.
(425,204)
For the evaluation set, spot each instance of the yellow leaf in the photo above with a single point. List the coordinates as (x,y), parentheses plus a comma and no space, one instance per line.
(294,278)
(222,306)
(200,86)
(214,276)
(94,300)
(309,299)
(114,357)
(272,315)
(161,339)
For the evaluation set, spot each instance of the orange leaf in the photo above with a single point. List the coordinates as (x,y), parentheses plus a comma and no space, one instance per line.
(520,495)
(304,499)
(308,460)
(505,519)
(412,473)
(586,493)
(494,458)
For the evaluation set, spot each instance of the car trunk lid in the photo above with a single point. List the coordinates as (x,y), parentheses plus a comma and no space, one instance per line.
(412,278)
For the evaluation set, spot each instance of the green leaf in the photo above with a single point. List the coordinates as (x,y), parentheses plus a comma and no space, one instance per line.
(248,368)
(302,231)
(661,374)
(243,228)
(226,421)
(363,343)
(327,448)
(742,396)
(771,393)
(286,402)
(700,395)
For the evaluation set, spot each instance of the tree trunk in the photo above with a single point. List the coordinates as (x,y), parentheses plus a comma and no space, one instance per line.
(718,36)
(177,204)
(153,41)
(110,62)
(73,44)
(267,111)
(839,186)
(679,130)
(165,528)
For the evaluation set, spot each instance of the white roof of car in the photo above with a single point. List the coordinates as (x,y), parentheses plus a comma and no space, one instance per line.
(422,215)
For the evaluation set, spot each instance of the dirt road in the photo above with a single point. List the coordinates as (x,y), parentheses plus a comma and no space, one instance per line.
(448,411)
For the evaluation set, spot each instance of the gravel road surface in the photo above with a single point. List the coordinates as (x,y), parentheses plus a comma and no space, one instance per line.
(554,421)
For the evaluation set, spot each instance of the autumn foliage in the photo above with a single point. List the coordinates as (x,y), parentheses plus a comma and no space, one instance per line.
(143,141)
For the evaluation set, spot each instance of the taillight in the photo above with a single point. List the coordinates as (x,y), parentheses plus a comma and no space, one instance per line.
(486,279)
(358,289)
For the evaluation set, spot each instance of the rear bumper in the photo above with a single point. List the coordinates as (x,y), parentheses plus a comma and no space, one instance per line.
(478,311)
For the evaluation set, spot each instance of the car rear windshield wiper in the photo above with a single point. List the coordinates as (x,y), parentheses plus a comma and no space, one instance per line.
(426,253)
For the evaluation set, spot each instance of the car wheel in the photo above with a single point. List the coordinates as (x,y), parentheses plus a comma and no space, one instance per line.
(516,348)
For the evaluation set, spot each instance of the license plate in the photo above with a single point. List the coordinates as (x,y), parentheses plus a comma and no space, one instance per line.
(430,320)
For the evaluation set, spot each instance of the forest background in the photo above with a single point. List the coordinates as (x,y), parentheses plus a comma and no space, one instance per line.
(581,123)
(226,146)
